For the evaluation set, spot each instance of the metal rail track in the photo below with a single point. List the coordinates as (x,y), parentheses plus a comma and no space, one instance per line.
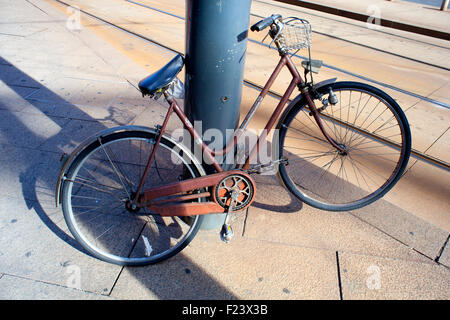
(327,35)
(414,153)
(274,4)
(364,17)
(442,104)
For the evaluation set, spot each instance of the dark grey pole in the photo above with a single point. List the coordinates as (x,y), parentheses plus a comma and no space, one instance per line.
(216,42)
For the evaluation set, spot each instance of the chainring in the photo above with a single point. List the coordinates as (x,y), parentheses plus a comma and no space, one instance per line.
(240,183)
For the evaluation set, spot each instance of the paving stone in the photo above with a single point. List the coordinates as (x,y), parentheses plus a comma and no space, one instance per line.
(445,255)
(282,250)
(28,173)
(423,136)
(369,278)
(73,133)
(423,191)
(243,269)
(17,288)
(36,244)
(29,130)
(11,96)
(283,218)
(416,232)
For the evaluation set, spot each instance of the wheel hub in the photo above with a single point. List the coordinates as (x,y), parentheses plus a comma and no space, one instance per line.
(130,206)
(344,150)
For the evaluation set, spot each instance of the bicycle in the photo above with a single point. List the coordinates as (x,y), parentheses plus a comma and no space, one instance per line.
(340,156)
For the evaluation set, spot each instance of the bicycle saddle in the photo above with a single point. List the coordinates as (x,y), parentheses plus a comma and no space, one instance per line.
(162,77)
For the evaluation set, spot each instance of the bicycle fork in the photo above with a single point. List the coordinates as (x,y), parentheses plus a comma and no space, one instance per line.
(315,112)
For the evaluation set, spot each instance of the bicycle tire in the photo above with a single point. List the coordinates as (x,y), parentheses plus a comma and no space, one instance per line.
(139,246)
(364,129)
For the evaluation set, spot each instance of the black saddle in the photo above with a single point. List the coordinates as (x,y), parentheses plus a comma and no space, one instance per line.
(162,77)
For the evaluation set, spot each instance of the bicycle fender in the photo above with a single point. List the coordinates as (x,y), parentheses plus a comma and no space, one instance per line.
(68,160)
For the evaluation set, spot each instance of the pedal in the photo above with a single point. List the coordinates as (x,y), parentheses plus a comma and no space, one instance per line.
(259,169)
(284,161)
(226,234)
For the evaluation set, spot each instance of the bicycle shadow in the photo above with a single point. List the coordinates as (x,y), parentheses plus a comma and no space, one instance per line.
(272,185)
(37,150)
(270,192)
(41,143)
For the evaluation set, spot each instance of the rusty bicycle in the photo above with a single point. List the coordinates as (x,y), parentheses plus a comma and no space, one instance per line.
(134,195)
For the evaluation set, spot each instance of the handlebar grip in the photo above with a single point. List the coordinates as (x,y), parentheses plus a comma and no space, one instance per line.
(264,23)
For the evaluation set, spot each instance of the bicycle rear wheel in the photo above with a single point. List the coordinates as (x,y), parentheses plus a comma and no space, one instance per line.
(100,181)
(368,124)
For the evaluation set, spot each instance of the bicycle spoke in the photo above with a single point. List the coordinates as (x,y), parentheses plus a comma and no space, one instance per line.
(357,116)
(312,138)
(95,188)
(130,183)
(97,207)
(371,170)
(328,165)
(331,179)
(114,168)
(336,180)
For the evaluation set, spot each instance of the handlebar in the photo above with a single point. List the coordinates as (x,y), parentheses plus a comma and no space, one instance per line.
(264,23)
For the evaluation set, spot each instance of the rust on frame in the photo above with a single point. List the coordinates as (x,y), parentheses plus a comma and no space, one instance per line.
(187,209)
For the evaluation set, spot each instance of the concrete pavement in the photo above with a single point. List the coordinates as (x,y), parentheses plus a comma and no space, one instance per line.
(407,16)
(367,65)
(60,85)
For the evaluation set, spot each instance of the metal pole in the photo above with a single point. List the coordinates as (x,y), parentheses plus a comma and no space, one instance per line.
(444,5)
(216,42)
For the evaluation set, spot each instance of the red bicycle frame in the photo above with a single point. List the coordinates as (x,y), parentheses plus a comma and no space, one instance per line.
(156,198)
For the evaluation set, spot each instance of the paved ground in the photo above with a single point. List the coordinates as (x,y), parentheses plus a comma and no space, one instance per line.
(59,85)
(407,13)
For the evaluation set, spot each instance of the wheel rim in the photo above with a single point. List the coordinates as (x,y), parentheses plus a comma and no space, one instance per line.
(322,175)
(111,232)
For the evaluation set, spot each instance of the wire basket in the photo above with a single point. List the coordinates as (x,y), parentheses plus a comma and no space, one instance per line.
(295,35)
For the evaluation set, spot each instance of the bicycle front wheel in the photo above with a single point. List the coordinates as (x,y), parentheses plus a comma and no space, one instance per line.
(100,181)
(372,129)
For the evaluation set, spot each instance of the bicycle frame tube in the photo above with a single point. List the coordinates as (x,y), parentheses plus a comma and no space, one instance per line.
(152,155)
(296,80)
(194,184)
(174,107)
(210,154)
(197,138)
